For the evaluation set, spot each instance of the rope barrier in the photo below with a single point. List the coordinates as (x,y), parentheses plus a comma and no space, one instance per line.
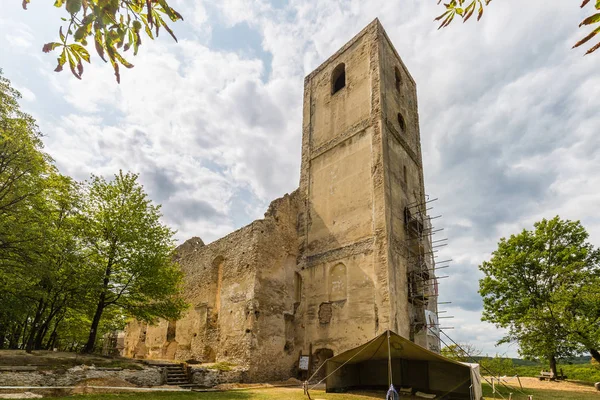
(473,359)
(444,343)
(484,367)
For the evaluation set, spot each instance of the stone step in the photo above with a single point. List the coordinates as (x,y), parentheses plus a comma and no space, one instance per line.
(177,379)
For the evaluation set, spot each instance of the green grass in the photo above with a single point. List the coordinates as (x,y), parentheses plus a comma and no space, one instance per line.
(256,394)
(297,394)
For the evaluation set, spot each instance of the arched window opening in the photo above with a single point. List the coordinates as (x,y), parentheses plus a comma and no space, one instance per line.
(401,122)
(337,283)
(398,78)
(338,78)
(171,331)
(297,287)
(404,176)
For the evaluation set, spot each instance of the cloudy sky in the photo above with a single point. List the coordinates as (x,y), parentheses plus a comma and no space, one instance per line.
(213,123)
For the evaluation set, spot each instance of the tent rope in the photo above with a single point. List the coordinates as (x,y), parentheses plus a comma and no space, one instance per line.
(473,359)
(445,344)
(484,367)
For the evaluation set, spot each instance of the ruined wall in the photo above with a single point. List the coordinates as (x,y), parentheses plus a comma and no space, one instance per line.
(278,290)
(221,279)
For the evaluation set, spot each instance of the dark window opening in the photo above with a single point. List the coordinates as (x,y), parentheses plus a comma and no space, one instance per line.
(398,78)
(171,331)
(297,287)
(338,78)
(401,122)
(405,177)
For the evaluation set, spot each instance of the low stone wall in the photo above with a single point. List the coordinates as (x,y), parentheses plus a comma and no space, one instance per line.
(149,376)
(209,377)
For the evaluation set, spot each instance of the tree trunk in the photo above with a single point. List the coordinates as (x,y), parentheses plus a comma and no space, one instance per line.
(21,335)
(54,335)
(89,346)
(15,335)
(52,340)
(4,332)
(595,354)
(34,327)
(39,337)
(553,366)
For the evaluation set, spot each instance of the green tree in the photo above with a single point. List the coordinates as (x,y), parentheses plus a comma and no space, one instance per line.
(466,8)
(497,365)
(533,286)
(132,267)
(23,168)
(61,276)
(114,26)
(461,352)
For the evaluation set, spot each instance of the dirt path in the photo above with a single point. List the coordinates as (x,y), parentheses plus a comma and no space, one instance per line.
(535,383)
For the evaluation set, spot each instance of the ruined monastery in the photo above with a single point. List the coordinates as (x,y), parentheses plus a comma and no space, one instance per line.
(338,261)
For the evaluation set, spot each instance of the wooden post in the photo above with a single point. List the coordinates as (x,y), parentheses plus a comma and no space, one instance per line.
(520,384)
(310,360)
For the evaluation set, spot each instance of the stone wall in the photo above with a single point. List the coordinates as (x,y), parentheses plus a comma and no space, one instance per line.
(236,288)
(149,376)
(209,377)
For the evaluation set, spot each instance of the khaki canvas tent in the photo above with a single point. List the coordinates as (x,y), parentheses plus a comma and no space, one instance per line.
(412,366)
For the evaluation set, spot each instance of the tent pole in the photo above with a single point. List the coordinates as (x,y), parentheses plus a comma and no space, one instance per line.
(390,378)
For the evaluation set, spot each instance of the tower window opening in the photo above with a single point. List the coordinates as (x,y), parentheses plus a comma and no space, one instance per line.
(297,287)
(398,78)
(404,174)
(338,78)
(401,122)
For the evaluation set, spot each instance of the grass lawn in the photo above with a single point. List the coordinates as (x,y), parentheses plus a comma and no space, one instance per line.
(255,394)
(297,394)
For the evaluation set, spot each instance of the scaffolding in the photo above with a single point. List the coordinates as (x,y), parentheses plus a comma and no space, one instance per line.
(420,250)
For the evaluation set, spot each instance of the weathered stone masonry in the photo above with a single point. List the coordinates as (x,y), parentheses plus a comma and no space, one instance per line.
(336,262)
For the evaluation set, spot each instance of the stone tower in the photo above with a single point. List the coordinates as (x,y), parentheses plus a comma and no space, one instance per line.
(336,262)
(364,238)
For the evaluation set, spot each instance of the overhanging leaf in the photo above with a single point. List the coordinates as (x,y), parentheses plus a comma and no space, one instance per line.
(590,20)
(587,38)
(48,47)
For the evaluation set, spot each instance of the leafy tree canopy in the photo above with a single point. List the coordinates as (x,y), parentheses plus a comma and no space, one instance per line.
(466,8)
(113,26)
(76,259)
(464,352)
(540,285)
(130,253)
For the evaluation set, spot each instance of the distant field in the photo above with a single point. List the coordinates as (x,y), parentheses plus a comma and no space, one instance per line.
(579,372)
